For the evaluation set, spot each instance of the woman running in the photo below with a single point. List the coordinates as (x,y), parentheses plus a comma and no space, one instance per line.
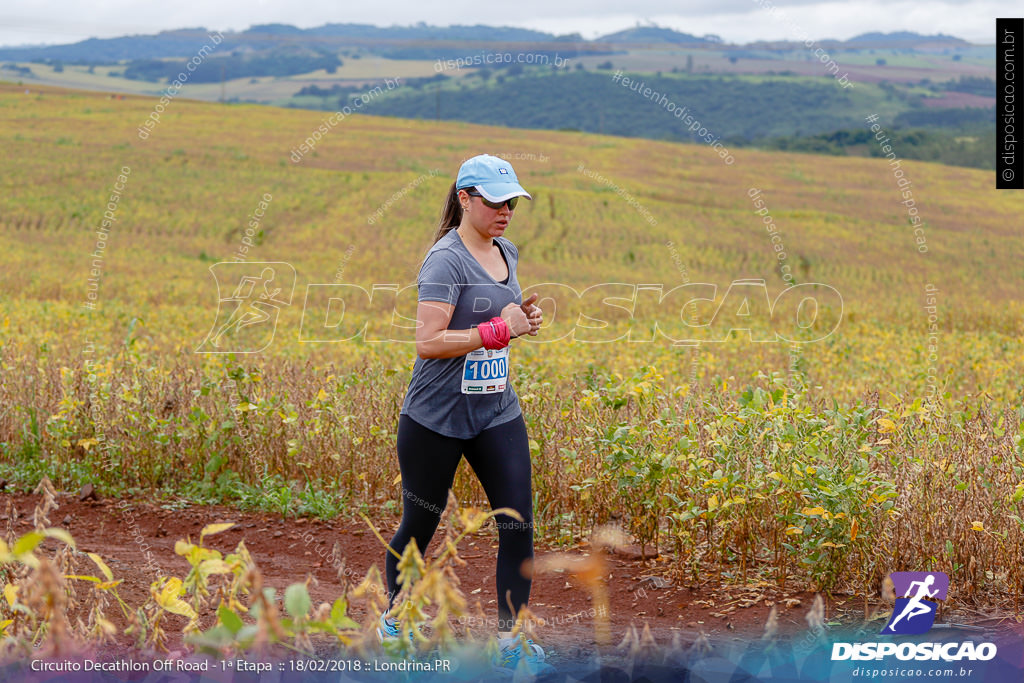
(459,400)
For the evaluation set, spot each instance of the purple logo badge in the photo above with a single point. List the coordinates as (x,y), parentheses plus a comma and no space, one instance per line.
(916,593)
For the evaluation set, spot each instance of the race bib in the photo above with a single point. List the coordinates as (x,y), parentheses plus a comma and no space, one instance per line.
(485,371)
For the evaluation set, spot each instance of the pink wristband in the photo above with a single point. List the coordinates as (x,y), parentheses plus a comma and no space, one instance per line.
(504,333)
(494,333)
(487,334)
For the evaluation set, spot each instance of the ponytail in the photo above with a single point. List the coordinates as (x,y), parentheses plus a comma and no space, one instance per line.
(451,214)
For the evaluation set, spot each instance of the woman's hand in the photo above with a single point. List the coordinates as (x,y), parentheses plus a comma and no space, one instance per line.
(523,319)
(533,314)
(516,319)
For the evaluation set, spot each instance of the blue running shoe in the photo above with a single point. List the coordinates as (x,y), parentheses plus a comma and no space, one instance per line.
(387,629)
(512,651)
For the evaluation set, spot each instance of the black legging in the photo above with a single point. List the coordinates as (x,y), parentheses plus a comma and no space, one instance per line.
(500,457)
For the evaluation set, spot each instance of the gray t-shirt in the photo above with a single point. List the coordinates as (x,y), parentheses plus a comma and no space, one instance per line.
(435,398)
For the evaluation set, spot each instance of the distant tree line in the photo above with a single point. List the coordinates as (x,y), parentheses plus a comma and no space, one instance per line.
(733,109)
(945,118)
(973,85)
(20,70)
(971,145)
(795,114)
(272,63)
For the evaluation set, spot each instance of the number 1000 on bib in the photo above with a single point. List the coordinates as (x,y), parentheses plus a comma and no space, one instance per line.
(485,371)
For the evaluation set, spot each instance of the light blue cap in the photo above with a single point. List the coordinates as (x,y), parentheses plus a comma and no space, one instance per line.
(492,176)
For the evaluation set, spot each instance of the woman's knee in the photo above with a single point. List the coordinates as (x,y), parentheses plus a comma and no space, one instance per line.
(420,528)
(418,506)
(514,528)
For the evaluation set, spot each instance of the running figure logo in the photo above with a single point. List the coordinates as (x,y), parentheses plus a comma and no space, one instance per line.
(914,612)
(247,318)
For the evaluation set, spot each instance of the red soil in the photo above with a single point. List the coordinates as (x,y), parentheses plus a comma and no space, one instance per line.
(287,550)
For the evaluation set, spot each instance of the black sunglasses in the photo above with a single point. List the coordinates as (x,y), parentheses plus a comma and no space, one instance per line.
(511,202)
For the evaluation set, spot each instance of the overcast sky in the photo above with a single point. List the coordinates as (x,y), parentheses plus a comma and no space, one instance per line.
(737,21)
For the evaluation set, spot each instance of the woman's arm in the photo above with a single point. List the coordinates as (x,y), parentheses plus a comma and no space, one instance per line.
(435,340)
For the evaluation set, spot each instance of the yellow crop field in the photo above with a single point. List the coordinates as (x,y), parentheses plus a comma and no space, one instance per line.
(841,403)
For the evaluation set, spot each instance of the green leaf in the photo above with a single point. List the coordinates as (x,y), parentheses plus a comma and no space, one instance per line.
(338,617)
(60,535)
(296,600)
(102,565)
(211,529)
(27,543)
(246,635)
(214,463)
(339,609)
(212,641)
(83,578)
(232,622)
